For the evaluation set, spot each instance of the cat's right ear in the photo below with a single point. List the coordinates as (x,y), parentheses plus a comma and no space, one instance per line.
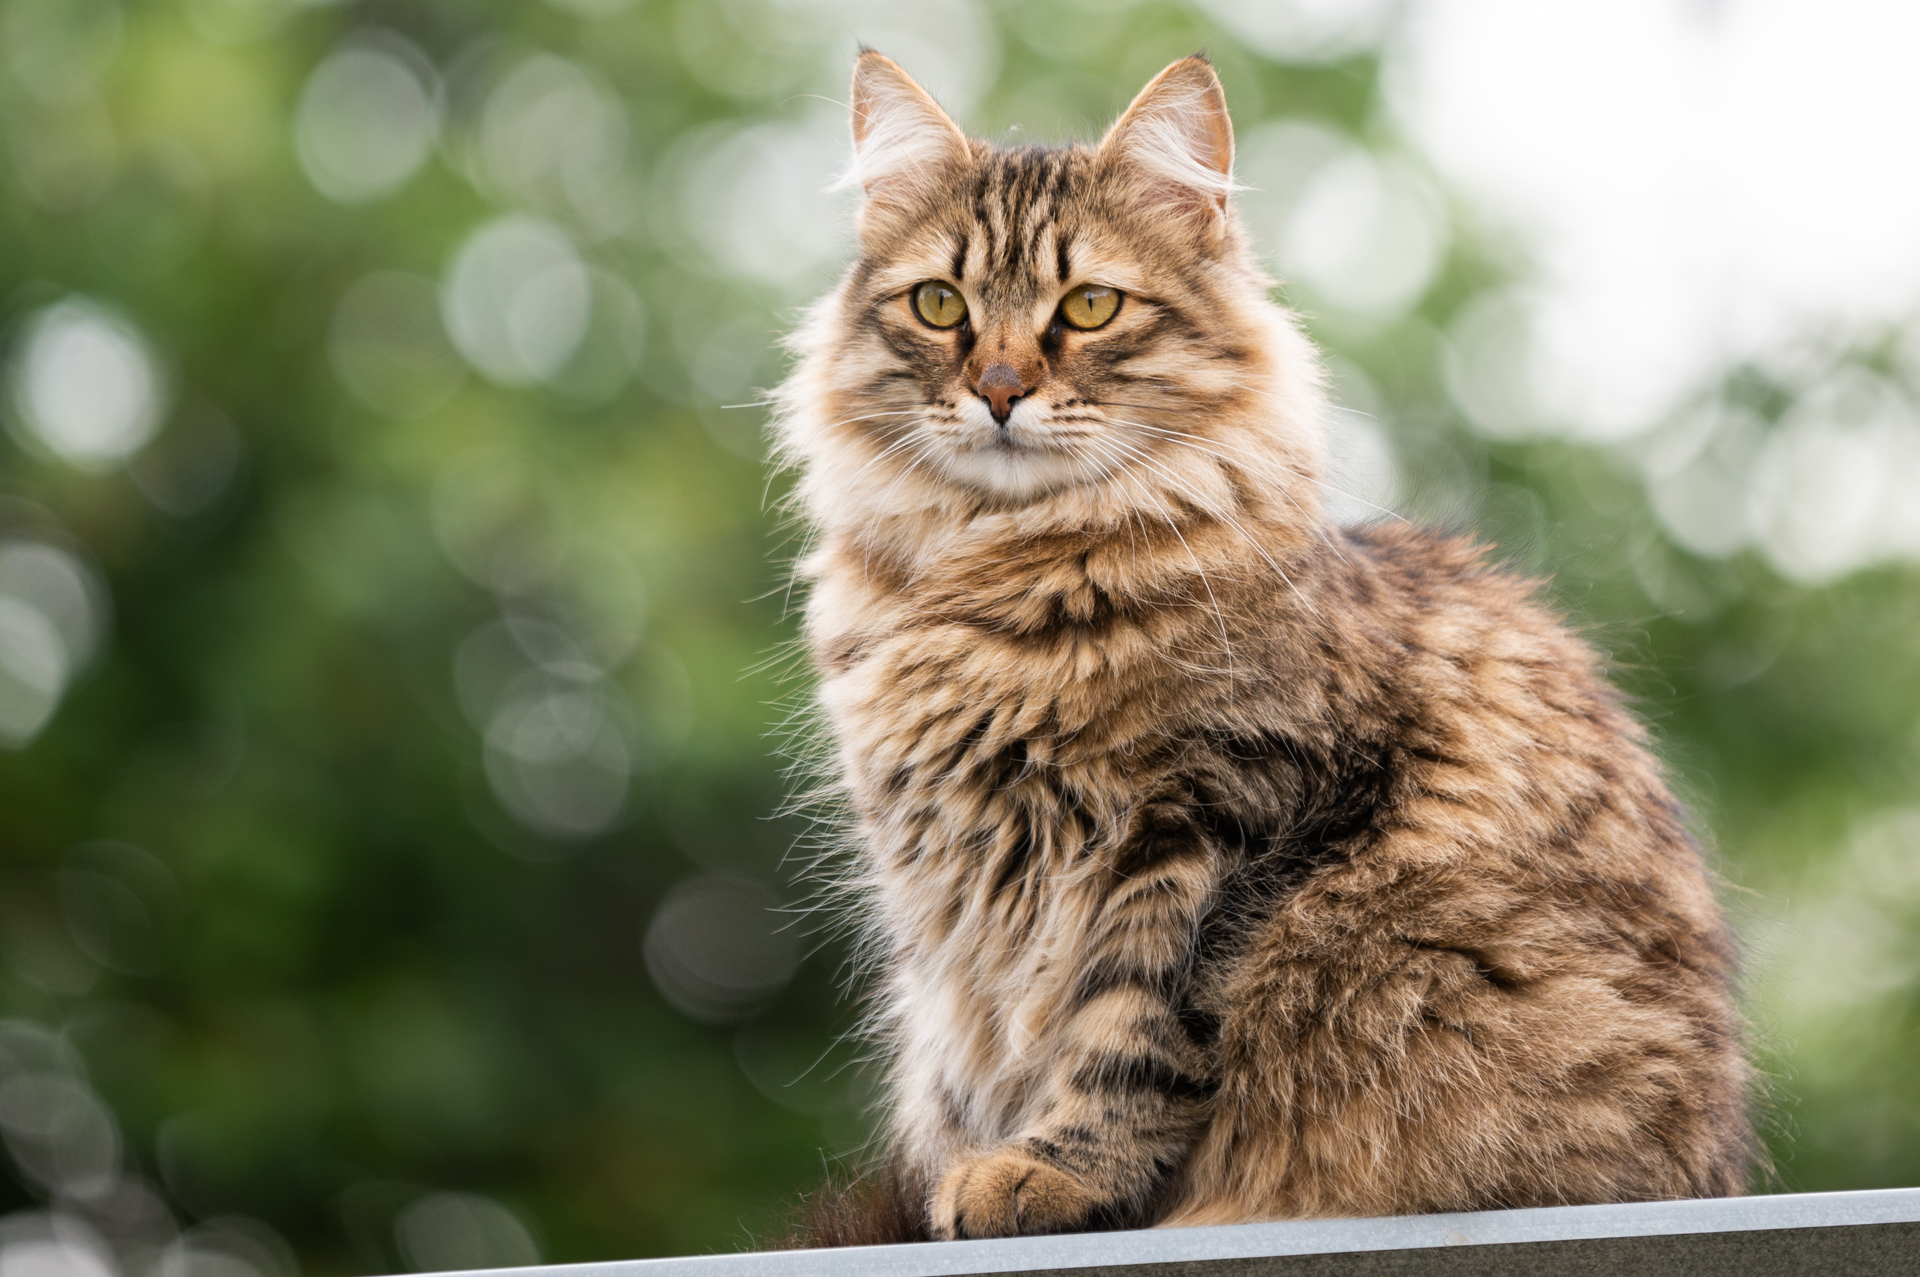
(903,143)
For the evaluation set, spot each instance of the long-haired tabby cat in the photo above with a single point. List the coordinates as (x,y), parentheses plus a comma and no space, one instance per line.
(1219,863)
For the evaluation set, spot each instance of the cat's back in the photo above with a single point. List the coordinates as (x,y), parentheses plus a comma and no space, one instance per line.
(1506,963)
(1504,773)
(1458,665)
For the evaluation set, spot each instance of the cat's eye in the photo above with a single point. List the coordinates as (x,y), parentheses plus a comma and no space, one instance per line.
(1090,305)
(939,304)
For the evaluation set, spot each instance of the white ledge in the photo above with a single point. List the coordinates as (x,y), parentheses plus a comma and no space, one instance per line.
(1809,1232)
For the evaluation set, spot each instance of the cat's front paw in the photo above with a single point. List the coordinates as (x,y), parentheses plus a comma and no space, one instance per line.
(1010,1193)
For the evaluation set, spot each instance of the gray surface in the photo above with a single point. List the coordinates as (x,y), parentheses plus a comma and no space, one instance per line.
(1867,1233)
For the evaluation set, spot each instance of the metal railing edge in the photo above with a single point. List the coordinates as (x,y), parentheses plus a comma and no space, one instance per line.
(1280,1238)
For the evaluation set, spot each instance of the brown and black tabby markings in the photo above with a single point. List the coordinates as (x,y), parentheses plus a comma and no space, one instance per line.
(1218,863)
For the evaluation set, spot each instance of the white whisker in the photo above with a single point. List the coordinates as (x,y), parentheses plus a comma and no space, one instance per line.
(1220,617)
(1142,458)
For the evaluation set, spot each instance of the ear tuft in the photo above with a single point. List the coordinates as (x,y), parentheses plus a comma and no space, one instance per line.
(902,140)
(1177,134)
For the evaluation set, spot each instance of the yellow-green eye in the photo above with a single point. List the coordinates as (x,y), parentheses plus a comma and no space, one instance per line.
(1090,305)
(939,304)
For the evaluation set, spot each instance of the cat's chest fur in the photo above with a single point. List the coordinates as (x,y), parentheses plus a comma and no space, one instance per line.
(994,768)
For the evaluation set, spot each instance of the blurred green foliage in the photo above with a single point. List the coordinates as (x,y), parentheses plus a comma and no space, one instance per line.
(430,649)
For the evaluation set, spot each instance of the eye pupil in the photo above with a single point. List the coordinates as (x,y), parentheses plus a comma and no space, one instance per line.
(939,304)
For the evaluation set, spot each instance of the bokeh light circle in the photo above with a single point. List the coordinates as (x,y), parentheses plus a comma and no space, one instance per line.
(366,122)
(1367,235)
(53,613)
(452,1232)
(557,759)
(86,385)
(718,947)
(517,299)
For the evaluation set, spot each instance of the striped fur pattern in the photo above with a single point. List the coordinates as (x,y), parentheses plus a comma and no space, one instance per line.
(1219,864)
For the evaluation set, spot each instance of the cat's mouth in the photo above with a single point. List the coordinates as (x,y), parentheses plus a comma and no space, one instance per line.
(1023,457)
(1031,437)
(1025,429)
(1004,440)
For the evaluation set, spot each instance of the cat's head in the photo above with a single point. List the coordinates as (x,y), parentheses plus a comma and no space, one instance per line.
(1048,324)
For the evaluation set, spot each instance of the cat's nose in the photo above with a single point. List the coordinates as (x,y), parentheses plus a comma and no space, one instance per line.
(1000,385)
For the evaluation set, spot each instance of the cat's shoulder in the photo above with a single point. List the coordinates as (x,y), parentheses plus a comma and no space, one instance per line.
(1414,552)
(1451,597)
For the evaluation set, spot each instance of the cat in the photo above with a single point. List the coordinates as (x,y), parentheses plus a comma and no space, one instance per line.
(1218,863)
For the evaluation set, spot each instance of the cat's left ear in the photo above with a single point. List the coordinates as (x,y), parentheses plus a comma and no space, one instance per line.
(1176,136)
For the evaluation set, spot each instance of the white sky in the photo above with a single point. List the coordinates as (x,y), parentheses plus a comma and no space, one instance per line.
(1699,179)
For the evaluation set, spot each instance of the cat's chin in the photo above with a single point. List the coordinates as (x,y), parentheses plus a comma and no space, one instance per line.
(1014,473)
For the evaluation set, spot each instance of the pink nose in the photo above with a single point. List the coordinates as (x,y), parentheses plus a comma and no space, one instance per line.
(1000,385)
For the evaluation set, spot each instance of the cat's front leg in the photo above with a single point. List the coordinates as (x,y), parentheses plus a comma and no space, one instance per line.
(1127,1092)
(1103,1151)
